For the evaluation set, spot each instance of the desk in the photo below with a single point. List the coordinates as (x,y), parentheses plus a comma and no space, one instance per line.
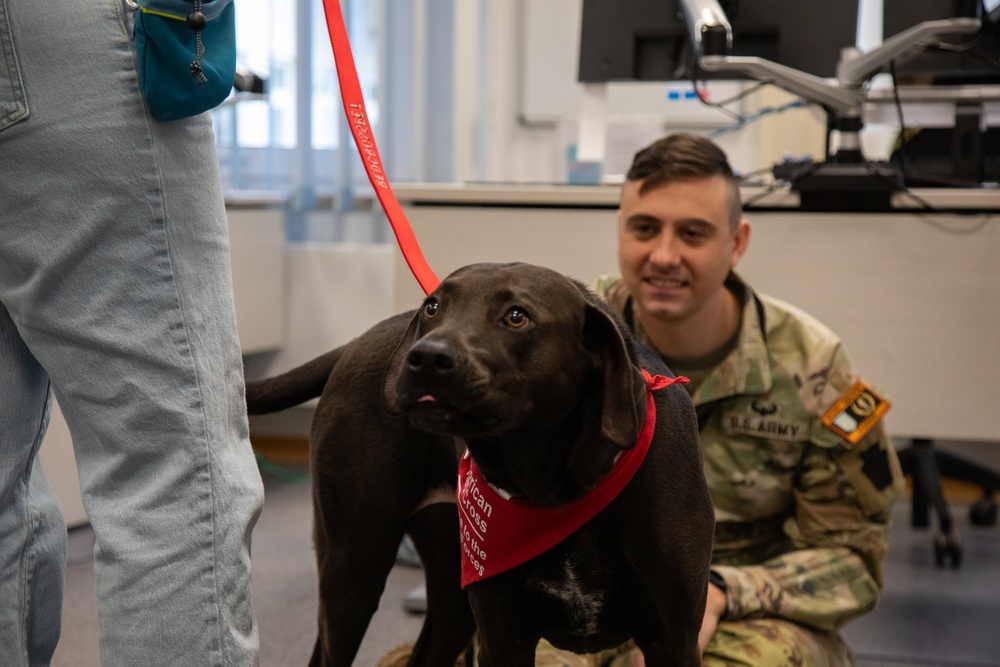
(915,296)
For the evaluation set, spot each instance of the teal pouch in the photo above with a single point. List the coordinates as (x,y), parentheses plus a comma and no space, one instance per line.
(186,55)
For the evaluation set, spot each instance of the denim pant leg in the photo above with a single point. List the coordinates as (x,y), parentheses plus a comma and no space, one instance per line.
(32,527)
(114,268)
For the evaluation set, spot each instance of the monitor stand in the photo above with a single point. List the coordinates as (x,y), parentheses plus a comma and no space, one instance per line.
(848,187)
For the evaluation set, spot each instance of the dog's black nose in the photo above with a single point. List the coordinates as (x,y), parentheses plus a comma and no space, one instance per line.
(432,356)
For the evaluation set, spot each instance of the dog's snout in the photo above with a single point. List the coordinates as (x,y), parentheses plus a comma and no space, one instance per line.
(431,356)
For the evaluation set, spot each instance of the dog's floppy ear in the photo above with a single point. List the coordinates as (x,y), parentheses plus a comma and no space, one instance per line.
(622,407)
(390,396)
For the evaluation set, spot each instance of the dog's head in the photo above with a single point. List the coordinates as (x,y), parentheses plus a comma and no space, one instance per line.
(511,350)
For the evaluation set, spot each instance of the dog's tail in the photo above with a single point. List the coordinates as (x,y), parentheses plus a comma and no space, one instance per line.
(292,387)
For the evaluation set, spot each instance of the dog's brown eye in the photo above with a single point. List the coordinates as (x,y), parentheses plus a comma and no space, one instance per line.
(516,318)
(431,309)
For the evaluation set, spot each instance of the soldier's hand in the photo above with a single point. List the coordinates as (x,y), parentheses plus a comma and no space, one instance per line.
(715,607)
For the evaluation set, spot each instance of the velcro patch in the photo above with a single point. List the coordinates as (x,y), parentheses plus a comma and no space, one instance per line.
(876,467)
(856,412)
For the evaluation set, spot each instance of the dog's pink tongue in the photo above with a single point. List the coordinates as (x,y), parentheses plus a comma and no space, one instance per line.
(426,398)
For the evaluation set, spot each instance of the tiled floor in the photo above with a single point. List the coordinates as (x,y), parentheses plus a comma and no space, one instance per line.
(927,617)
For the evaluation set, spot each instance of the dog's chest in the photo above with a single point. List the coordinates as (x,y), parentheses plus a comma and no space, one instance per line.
(582,599)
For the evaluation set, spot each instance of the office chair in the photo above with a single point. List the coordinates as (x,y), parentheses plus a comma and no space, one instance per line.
(927,466)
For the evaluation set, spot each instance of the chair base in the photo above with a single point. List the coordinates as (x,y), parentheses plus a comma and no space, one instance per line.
(927,466)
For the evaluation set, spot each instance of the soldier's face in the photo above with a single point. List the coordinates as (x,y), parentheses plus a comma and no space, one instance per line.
(676,245)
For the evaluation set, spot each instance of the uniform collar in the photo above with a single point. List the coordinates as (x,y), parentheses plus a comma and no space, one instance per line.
(746,370)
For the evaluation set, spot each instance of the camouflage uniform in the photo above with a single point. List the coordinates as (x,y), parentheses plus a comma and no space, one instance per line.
(802,514)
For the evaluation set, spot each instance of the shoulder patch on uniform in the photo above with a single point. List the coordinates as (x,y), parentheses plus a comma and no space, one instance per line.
(856,412)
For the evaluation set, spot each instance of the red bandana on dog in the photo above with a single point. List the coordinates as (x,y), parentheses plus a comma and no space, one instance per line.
(500,533)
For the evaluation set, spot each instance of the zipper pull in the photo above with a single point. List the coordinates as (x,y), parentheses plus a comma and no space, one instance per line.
(196,21)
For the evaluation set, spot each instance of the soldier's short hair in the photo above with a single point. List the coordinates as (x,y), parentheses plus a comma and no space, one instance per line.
(684,156)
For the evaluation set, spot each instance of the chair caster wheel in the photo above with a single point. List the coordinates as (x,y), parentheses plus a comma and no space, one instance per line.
(983,513)
(946,547)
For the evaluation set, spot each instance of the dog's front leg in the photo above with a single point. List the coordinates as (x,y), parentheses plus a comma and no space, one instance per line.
(497,652)
(670,655)
(448,625)
(510,623)
(665,625)
(664,619)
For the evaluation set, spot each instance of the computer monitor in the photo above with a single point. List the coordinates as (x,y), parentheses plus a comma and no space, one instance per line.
(967,59)
(647,40)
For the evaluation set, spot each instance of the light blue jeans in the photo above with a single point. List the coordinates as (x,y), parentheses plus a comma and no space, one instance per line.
(116,295)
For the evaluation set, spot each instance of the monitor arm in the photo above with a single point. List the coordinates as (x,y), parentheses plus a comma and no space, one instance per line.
(708,28)
(842,96)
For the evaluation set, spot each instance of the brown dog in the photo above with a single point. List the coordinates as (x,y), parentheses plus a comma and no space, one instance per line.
(541,383)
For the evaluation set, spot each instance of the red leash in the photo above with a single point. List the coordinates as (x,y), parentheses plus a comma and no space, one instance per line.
(354,107)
